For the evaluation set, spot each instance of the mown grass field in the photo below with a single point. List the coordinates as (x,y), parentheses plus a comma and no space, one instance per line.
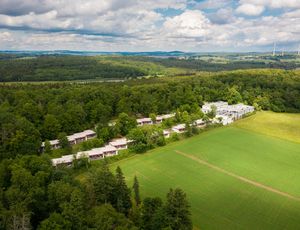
(218,191)
(282,125)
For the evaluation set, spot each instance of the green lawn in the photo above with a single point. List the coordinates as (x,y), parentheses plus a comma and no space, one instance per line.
(218,200)
(282,125)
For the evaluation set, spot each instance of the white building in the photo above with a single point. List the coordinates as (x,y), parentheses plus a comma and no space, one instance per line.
(223,119)
(73,139)
(93,154)
(120,143)
(200,123)
(179,128)
(64,160)
(53,143)
(144,121)
(166,133)
(234,112)
(161,118)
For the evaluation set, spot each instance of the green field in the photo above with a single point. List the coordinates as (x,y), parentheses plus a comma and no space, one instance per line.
(235,178)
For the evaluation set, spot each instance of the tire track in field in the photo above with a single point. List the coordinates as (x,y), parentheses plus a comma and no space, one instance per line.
(243,179)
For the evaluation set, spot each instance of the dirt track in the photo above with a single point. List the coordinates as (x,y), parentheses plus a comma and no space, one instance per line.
(243,179)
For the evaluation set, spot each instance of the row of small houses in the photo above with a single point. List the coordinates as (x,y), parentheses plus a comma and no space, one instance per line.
(94,154)
(73,139)
(77,138)
(225,114)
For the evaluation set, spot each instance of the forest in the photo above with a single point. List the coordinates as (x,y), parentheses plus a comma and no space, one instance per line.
(18,68)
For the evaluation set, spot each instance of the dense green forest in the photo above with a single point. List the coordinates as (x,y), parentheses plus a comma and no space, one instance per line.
(65,68)
(201,65)
(58,68)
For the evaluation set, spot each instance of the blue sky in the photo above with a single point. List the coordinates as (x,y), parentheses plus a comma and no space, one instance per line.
(150,25)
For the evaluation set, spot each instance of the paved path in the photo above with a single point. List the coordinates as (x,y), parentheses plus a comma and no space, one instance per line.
(243,179)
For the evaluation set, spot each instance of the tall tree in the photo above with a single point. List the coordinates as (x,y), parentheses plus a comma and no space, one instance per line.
(136,191)
(123,201)
(104,183)
(177,210)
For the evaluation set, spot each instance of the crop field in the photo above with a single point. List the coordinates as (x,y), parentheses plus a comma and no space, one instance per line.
(235,177)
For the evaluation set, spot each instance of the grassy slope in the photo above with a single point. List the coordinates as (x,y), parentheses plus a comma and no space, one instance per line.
(281,125)
(218,200)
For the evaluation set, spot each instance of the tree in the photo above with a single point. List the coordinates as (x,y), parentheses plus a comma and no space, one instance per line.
(105,217)
(136,191)
(123,202)
(55,222)
(64,142)
(125,123)
(148,209)
(188,130)
(139,138)
(47,148)
(212,112)
(233,96)
(51,127)
(104,183)
(177,211)
(153,117)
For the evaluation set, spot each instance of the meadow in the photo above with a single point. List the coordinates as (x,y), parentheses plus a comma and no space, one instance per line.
(235,177)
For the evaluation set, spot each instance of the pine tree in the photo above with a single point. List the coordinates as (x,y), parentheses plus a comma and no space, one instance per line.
(123,201)
(104,185)
(177,211)
(136,190)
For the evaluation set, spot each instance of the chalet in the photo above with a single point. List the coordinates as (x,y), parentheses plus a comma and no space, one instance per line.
(95,154)
(64,160)
(179,128)
(166,133)
(54,145)
(144,121)
(109,150)
(161,118)
(200,123)
(119,144)
(73,139)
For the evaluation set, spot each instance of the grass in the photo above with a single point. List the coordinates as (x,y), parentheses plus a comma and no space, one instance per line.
(220,201)
(282,125)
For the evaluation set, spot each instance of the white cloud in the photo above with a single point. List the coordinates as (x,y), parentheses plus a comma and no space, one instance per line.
(273,3)
(250,9)
(191,23)
(135,25)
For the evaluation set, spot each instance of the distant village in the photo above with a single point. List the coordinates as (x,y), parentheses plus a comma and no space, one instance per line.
(224,114)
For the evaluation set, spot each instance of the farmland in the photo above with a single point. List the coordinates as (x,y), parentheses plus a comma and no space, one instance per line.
(235,177)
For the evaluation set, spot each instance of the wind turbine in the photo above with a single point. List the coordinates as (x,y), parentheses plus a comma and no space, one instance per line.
(274,49)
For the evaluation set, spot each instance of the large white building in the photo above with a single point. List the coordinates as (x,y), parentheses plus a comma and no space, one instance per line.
(228,113)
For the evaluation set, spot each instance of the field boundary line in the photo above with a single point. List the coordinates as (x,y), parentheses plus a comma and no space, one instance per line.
(243,179)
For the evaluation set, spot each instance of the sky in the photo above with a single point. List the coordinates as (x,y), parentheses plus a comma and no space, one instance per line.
(150,25)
